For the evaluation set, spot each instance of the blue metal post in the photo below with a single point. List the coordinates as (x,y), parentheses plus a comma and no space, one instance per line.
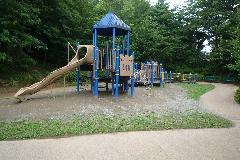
(117,73)
(96,64)
(114,49)
(123,42)
(152,73)
(161,78)
(165,75)
(128,43)
(78,73)
(170,76)
(93,72)
(107,59)
(126,87)
(132,78)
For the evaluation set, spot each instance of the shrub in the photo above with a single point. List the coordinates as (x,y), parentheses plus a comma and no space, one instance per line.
(237,95)
(71,77)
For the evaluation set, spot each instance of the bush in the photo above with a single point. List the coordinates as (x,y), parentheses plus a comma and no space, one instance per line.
(237,95)
(23,79)
(71,77)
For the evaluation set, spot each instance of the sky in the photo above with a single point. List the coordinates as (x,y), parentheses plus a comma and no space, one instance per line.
(172,3)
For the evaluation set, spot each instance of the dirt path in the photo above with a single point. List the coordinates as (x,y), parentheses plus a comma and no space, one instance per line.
(189,144)
(221,101)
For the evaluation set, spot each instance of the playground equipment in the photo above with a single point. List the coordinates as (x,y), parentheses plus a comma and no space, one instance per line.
(115,61)
(185,78)
(151,73)
(56,74)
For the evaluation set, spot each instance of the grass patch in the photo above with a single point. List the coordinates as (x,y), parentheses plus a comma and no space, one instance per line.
(237,96)
(103,124)
(194,91)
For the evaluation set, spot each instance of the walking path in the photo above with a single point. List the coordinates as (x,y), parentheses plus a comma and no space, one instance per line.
(189,144)
(221,101)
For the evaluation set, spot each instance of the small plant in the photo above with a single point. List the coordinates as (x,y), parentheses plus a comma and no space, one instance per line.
(237,95)
(12,82)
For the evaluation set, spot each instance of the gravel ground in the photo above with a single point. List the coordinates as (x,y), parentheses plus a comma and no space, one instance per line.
(53,104)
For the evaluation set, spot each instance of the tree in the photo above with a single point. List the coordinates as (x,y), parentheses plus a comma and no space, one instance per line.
(17,38)
(217,19)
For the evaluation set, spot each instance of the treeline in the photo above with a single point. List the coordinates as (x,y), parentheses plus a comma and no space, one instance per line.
(36,32)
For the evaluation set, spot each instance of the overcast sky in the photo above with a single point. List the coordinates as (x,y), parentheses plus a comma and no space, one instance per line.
(172,3)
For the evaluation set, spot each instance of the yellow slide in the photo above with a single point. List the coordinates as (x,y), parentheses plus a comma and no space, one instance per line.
(53,76)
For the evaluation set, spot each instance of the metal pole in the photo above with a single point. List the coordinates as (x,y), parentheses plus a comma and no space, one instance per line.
(107,59)
(117,73)
(113,52)
(123,42)
(78,72)
(161,75)
(132,78)
(93,73)
(151,77)
(128,43)
(165,76)
(170,76)
(96,64)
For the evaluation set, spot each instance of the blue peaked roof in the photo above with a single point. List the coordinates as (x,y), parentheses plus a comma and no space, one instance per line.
(108,22)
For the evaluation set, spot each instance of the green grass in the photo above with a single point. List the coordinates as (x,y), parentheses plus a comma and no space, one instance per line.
(103,124)
(194,91)
(237,96)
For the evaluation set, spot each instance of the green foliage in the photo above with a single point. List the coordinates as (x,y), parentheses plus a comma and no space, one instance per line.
(26,78)
(195,91)
(37,32)
(219,20)
(237,95)
(103,124)
(71,77)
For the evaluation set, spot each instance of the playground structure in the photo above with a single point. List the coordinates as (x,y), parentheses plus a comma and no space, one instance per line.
(114,59)
(185,78)
(152,73)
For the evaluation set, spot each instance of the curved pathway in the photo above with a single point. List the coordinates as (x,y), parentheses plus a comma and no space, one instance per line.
(221,101)
(189,144)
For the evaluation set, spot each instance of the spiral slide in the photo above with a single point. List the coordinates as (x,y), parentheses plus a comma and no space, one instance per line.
(56,74)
